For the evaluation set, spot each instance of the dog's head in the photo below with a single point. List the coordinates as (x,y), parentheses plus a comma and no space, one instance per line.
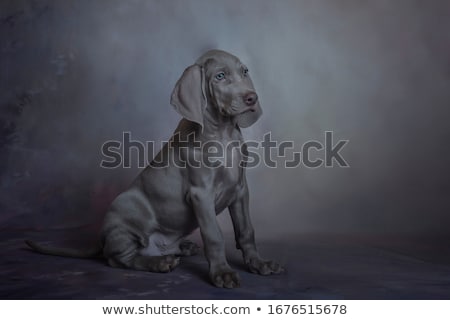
(217,80)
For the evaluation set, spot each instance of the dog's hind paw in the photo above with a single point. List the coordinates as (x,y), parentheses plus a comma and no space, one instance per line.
(189,248)
(159,263)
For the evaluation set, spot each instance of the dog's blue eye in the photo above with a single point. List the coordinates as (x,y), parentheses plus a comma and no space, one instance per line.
(220,76)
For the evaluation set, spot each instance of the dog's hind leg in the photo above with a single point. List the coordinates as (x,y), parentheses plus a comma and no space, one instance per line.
(122,251)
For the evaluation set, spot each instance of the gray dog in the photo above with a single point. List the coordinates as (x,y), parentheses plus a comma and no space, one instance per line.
(145,226)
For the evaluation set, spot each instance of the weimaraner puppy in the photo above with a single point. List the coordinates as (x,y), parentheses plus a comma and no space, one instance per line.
(146,226)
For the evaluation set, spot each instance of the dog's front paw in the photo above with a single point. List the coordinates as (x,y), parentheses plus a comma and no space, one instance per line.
(225,278)
(264,267)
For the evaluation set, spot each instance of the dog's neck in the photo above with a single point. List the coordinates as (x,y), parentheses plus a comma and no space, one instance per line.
(217,125)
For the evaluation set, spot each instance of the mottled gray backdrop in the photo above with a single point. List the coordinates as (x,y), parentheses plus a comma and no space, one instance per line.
(74,74)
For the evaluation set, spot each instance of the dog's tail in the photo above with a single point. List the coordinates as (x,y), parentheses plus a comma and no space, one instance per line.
(66,252)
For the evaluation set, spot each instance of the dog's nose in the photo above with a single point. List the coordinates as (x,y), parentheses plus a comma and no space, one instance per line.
(250,98)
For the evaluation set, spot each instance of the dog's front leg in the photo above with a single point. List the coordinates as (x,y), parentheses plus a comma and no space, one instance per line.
(245,237)
(220,272)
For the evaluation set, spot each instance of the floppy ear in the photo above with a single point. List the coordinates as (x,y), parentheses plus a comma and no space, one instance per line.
(247,119)
(188,96)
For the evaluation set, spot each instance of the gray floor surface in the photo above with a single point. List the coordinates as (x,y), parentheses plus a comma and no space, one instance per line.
(318,267)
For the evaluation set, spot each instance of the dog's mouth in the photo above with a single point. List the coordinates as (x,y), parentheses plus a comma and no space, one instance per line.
(248,109)
(233,111)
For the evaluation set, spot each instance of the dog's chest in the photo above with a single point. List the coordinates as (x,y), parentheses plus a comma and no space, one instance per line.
(231,169)
(230,177)
(228,181)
